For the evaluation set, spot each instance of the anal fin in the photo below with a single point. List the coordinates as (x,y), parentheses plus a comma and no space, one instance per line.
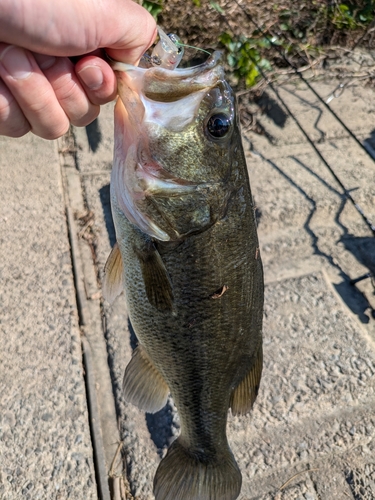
(156,279)
(113,275)
(144,386)
(244,395)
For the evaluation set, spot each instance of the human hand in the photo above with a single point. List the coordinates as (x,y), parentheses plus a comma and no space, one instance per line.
(41,89)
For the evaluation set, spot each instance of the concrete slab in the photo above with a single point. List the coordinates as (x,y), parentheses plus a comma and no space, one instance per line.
(45,444)
(354,107)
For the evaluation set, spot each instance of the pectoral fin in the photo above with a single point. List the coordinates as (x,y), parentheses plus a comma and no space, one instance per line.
(244,395)
(155,276)
(113,271)
(143,385)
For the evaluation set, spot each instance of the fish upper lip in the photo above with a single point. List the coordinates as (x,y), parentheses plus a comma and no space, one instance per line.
(213,60)
(165,85)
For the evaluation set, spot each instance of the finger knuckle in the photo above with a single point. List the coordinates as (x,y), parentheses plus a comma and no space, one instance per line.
(14,130)
(18,131)
(55,132)
(66,89)
(12,122)
(87,118)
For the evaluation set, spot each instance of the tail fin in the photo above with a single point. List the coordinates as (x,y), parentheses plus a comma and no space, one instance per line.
(183,475)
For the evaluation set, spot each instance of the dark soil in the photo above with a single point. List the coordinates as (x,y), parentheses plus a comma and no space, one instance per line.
(300,25)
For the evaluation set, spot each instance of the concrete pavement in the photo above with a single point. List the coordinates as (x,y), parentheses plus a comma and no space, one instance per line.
(311,433)
(45,445)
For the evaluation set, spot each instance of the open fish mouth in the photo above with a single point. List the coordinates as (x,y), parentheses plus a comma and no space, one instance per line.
(153,100)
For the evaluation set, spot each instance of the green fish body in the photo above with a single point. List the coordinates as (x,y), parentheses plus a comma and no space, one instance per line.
(187,255)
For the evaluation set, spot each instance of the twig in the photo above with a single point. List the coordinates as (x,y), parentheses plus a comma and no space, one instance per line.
(112,469)
(302,68)
(370,28)
(119,486)
(88,224)
(293,477)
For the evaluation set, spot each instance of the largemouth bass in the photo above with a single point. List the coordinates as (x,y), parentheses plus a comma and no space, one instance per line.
(187,255)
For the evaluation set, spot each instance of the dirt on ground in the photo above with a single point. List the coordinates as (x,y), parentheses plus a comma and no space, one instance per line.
(318,23)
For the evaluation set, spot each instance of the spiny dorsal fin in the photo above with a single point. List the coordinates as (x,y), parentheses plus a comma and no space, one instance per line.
(186,474)
(155,276)
(113,271)
(144,386)
(244,395)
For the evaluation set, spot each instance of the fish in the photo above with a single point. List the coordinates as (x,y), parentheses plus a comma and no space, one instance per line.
(187,257)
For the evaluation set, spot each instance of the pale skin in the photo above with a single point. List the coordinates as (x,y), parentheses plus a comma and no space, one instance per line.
(42,89)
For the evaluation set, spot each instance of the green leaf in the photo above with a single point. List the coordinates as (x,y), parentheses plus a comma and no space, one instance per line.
(276,41)
(197,3)
(265,64)
(344,8)
(232,61)
(251,77)
(285,14)
(225,38)
(264,43)
(217,7)
(154,8)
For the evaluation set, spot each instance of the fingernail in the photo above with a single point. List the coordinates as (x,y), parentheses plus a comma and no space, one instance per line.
(15,62)
(44,61)
(91,76)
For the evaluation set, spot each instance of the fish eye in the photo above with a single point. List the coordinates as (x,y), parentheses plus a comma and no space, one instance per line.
(218,125)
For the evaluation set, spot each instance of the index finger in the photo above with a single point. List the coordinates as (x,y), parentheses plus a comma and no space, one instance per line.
(32,91)
(137,38)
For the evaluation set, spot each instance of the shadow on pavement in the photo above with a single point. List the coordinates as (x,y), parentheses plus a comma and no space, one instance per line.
(94,135)
(354,299)
(363,249)
(370,141)
(272,109)
(105,199)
